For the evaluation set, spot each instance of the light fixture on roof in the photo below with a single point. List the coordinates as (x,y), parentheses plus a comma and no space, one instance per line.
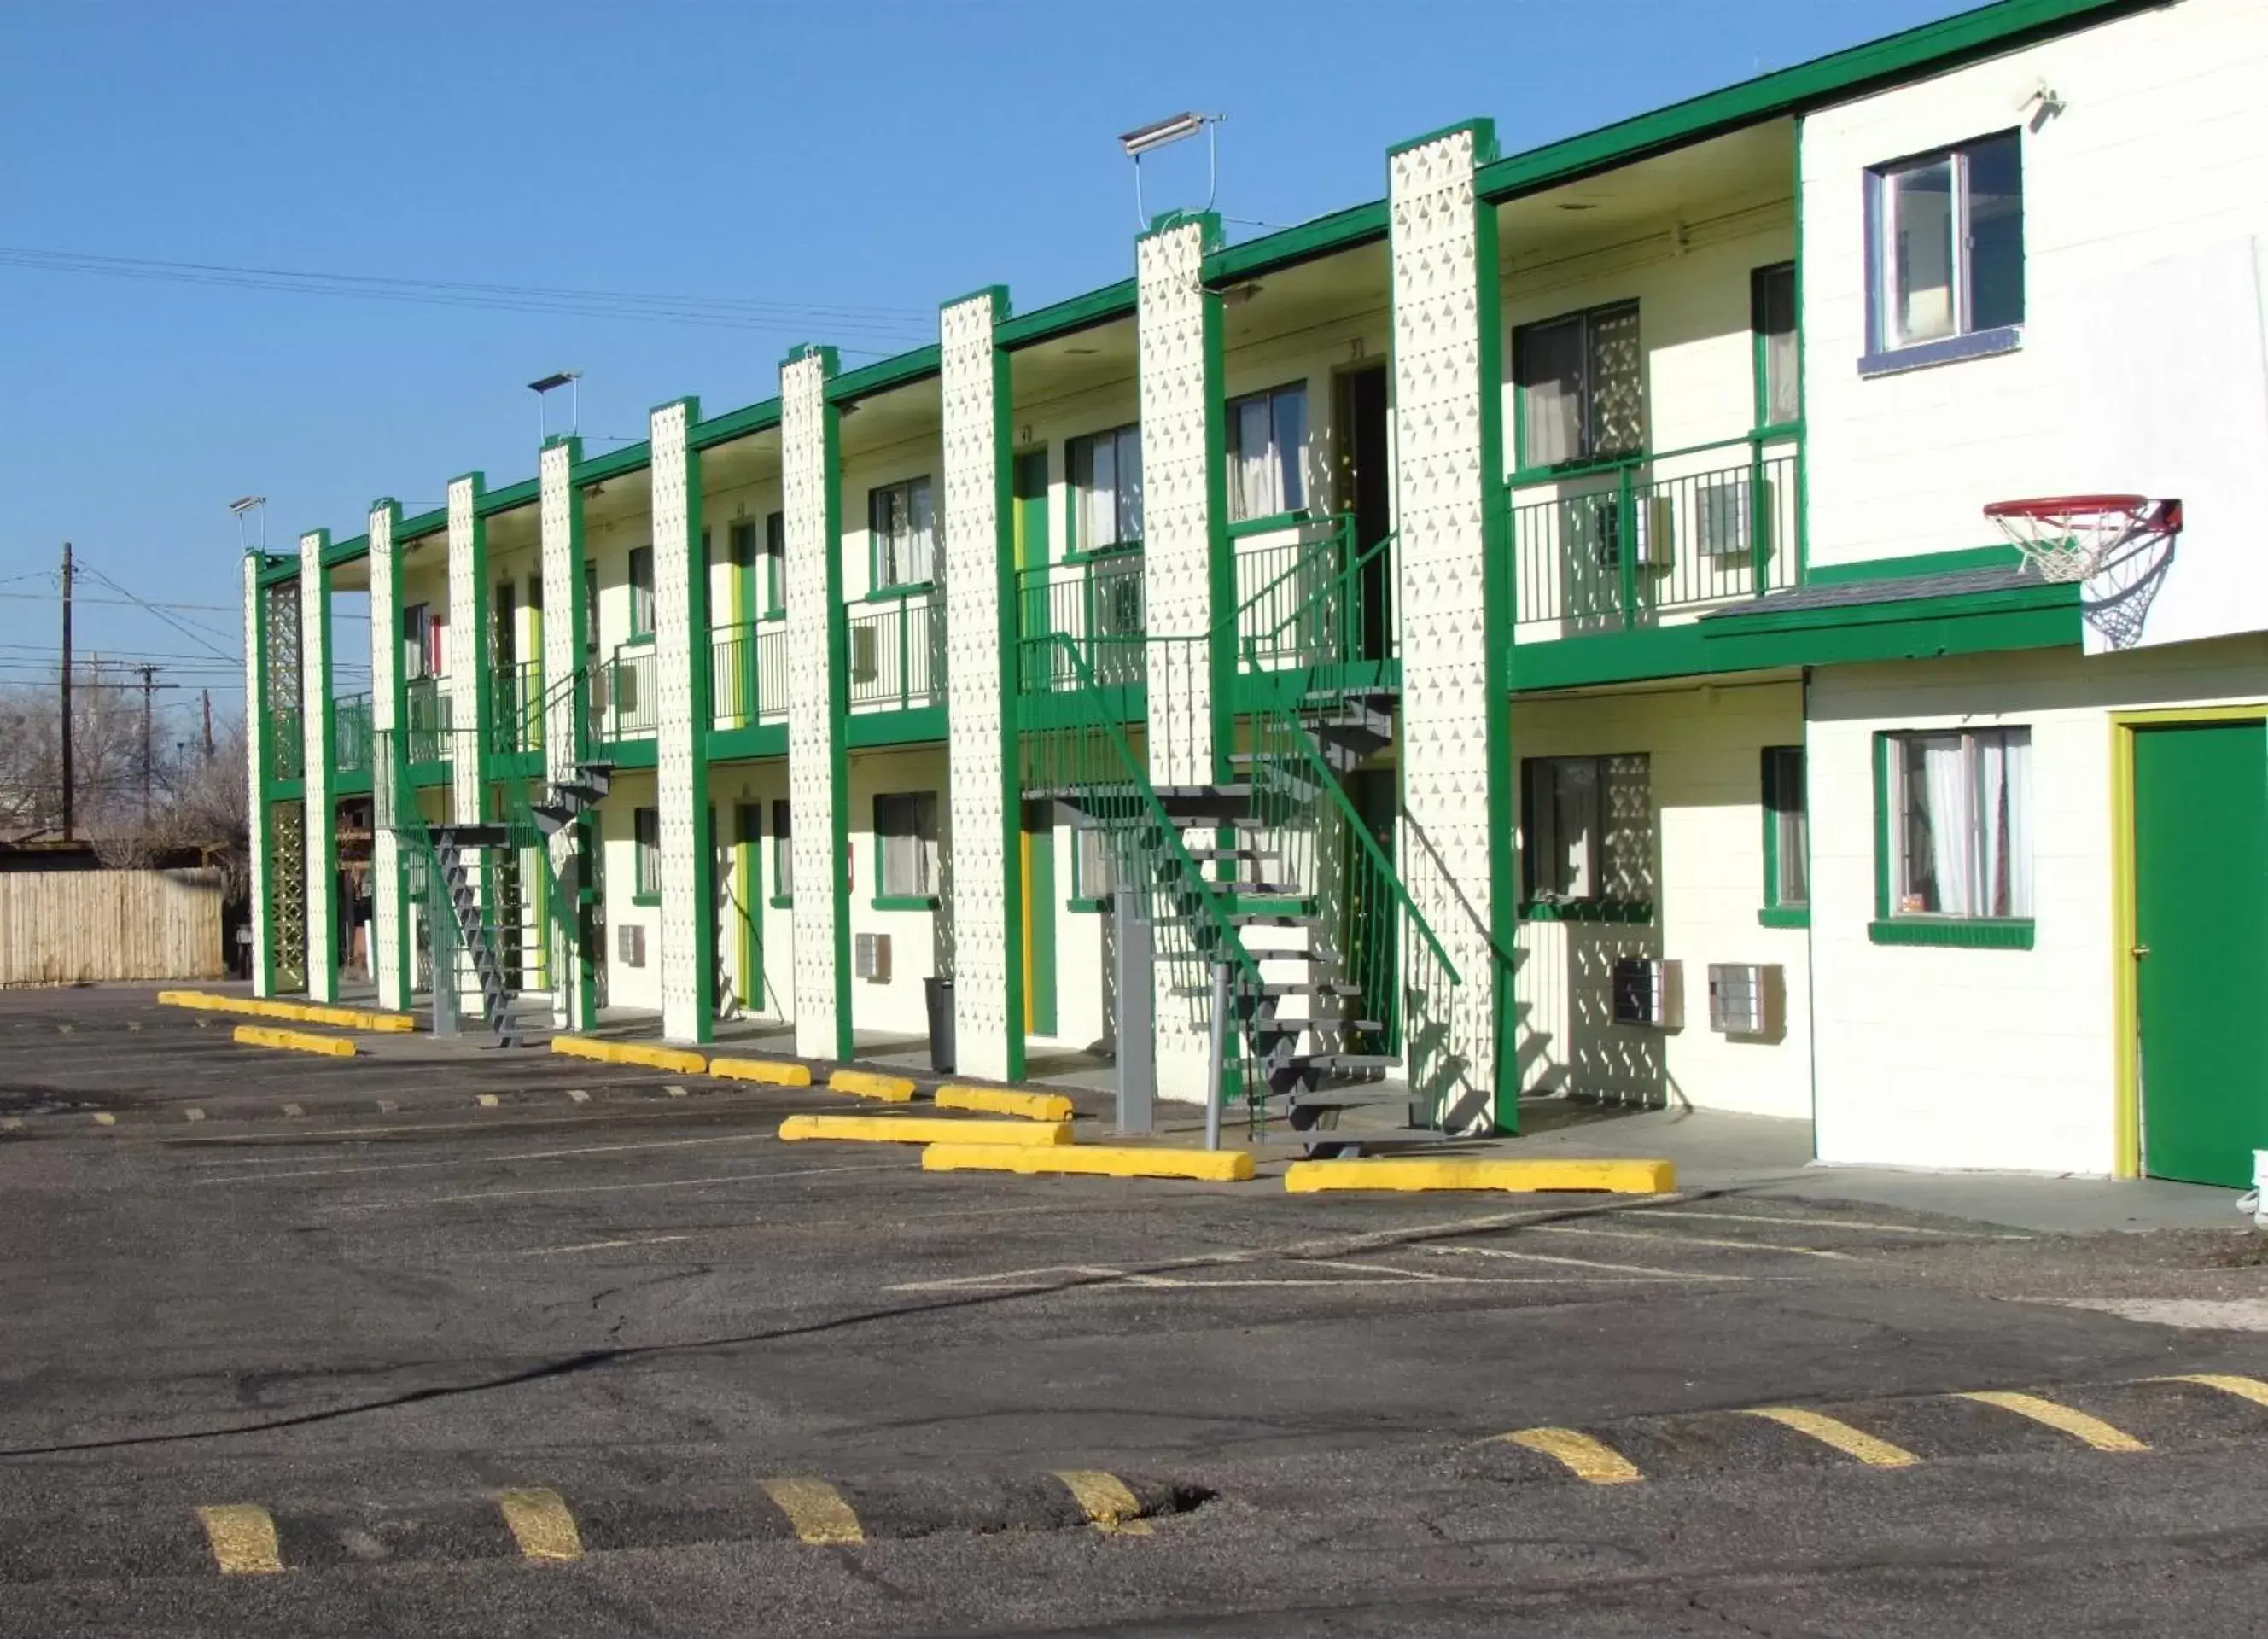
(242,508)
(1164,133)
(550,384)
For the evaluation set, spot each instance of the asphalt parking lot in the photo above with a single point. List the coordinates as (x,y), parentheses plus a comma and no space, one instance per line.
(487,1342)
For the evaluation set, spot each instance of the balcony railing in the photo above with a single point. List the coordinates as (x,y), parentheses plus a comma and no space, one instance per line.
(1090,608)
(1621,544)
(351,728)
(429,714)
(517,722)
(747,673)
(622,695)
(897,651)
(287,744)
(1309,593)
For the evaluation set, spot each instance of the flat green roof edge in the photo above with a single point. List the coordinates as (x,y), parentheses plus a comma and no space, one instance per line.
(418,528)
(1065,318)
(346,552)
(1928,49)
(2003,556)
(524,493)
(1342,230)
(736,423)
(916,365)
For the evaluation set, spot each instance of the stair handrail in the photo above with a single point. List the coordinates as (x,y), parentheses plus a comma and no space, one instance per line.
(1250,646)
(1233,620)
(1138,779)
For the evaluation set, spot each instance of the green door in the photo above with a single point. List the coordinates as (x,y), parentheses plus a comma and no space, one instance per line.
(2201,948)
(747,918)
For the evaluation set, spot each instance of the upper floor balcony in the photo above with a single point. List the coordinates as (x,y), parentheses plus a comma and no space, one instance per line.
(896,646)
(748,673)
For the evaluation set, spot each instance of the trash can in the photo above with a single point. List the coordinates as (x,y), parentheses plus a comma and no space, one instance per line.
(937,993)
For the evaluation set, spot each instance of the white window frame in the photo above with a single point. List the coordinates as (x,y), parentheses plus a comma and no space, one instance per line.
(907,556)
(1995,854)
(1273,481)
(1882,196)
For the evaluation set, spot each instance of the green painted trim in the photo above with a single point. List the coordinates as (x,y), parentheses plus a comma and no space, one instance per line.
(646,896)
(781,902)
(902,590)
(751,742)
(1840,76)
(614,464)
(1773,914)
(1802,389)
(583,954)
(1482,127)
(2002,556)
(736,423)
(918,364)
(630,754)
(1308,242)
(700,687)
(638,639)
(348,551)
(513,496)
(1220,552)
(259,836)
(1083,906)
(2046,596)
(913,727)
(1636,911)
(1244,527)
(1783,916)
(837,817)
(905,901)
(422,527)
(2007,935)
(1107,306)
(1884,846)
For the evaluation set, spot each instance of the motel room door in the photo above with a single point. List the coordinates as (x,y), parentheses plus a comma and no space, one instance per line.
(2200,949)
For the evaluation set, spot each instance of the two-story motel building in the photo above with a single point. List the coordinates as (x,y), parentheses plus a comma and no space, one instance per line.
(1628,489)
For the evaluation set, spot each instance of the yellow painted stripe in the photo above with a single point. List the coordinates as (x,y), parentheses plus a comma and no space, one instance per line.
(2078,1424)
(1585,1457)
(243,1538)
(892,1089)
(1840,1434)
(103,1117)
(2244,1388)
(541,1524)
(1205,1166)
(1002,1101)
(487,1101)
(777,1072)
(924,1130)
(1105,1502)
(816,1510)
(646,1053)
(1619,1177)
(293,1041)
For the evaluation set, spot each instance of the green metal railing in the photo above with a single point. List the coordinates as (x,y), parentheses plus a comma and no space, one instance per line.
(747,673)
(1295,604)
(622,694)
(1615,544)
(1096,604)
(516,710)
(350,732)
(429,726)
(897,651)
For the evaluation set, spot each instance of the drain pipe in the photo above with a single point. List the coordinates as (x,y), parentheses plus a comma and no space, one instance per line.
(1216,1068)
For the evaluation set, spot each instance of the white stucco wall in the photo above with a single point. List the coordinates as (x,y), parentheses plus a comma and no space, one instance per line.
(1705,749)
(896,1004)
(628,987)
(1931,1057)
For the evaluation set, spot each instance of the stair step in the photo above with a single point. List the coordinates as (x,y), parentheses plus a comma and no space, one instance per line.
(1253,854)
(468,835)
(1273,919)
(1344,1061)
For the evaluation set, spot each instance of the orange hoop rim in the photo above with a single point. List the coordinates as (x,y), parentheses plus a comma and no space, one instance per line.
(2065,508)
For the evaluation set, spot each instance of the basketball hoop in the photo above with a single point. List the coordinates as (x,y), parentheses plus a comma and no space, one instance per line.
(2075,537)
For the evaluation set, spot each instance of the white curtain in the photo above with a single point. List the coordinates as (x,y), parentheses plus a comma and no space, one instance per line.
(2004,823)
(1945,796)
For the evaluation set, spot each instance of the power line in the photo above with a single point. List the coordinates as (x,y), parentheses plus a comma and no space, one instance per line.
(732,312)
(41,597)
(191,633)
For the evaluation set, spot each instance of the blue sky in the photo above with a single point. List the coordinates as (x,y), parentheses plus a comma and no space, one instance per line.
(862,157)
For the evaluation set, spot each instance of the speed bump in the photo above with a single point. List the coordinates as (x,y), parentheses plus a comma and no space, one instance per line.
(1615,1177)
(924,1130)
(1121,1161)
(648,1054)
(778,1071)
(294,1041)
(1001,1101)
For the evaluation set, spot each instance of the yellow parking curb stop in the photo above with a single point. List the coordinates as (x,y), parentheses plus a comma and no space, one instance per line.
(924,1130)
(1611,1175)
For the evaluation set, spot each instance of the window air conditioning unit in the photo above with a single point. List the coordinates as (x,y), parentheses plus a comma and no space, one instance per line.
(1650,993)
(1657,545)
(865,655)
(871,958)
(1728,510)
(629,944)
(1747,998)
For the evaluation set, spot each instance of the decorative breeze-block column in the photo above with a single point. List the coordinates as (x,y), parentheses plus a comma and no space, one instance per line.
(317,710)
(980,624)
(818,765)
(566,727)
(389,909)
(681,671)
(470,694)
(1455,606)
(1183,497)
(258,840)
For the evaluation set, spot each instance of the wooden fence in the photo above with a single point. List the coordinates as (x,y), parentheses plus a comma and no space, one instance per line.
(78,927)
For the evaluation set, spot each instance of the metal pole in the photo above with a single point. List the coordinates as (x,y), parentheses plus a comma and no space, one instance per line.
(1216,1064)
(148,695)
(1137,1072)
(67,775)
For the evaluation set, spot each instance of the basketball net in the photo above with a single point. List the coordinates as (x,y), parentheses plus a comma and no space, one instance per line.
(2118,543)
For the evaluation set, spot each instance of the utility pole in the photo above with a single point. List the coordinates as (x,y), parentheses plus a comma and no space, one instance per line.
(209,749)
(67,691)
(150,687)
